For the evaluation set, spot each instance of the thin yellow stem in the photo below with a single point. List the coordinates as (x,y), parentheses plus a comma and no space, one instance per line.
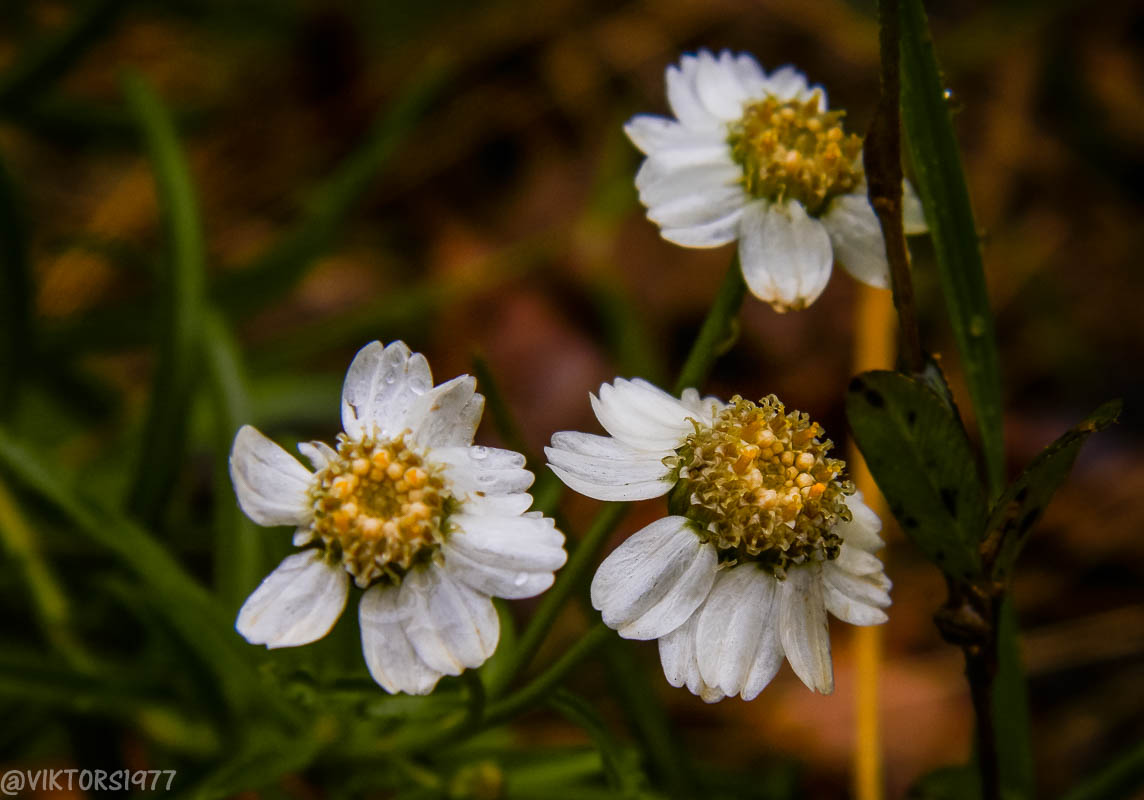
(874,348)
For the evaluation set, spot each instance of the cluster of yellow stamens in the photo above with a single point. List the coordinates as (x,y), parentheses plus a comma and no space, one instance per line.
(789,149)
(760,486)
(378,508)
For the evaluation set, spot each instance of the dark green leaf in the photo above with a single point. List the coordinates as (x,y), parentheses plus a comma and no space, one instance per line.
(178,310)
(918,454)
(1025,499)
(1011,711)
(941,185)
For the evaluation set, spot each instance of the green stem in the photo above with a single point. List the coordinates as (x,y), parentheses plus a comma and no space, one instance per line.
(552,601)
(718,331)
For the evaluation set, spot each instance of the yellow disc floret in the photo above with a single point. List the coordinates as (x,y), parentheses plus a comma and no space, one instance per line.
(790,150)
(379,508)
(760,486)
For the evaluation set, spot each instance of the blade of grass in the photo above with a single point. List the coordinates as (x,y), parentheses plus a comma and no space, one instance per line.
(941,184)
(16,334)
(179,307)
(44,62)
(276,271)
(189,609)
(1121,779)
(237,547)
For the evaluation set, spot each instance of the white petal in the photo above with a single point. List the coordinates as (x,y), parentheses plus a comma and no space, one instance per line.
(644,570)
(319,454)
(857,239)
(768,658)
(606,468)
(652,134)
(270,483)
(871,590)
(787,83)
(681,599)
(862,530)
(803,627)
(684,100)
(389,655)
(718,88)
(698,208)
(449,625)
(713,234)
(850,610)
(659,181)
(857,561)
(705,409)
(734,618)
(751,76)
(380,386)
(482,471)
(913,213)
(641,415)
(522,544)
(785,254)
(447,415)
(680,667)
(498,505)
(296,604)
(303,536)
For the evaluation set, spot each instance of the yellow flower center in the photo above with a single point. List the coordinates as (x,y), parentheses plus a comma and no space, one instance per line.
(760,486)
(789,150)
(379,508)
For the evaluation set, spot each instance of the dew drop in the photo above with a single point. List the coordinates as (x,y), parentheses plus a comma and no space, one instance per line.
(479,452)
(521,579)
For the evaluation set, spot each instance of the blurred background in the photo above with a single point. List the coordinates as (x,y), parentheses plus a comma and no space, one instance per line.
(455,175)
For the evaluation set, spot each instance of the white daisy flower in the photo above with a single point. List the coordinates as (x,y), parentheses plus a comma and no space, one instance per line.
(429,525)
(760,159)
(764,538)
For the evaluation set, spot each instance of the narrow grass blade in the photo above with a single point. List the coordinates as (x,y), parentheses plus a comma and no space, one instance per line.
(43,62)
(941,184)
(178,310)
(238,547)
(1011,711)
(275,272)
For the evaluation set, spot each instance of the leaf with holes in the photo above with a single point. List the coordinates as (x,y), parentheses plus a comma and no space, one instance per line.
(920,457)
(1025,500)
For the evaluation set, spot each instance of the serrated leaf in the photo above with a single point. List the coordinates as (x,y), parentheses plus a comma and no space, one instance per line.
(932,146)
(1024,501)
(920,458)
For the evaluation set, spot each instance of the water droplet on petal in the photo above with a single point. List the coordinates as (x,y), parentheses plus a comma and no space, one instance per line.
(521,579)
(479,453)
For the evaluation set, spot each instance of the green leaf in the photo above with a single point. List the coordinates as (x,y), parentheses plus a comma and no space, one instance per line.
(621,766)
(941,185)
(1023,503)
(920,458)
(178,310)
(1011,711)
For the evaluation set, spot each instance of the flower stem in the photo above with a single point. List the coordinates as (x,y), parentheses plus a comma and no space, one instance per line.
(551,603)
(882,159)
(715,336)
(718,330)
